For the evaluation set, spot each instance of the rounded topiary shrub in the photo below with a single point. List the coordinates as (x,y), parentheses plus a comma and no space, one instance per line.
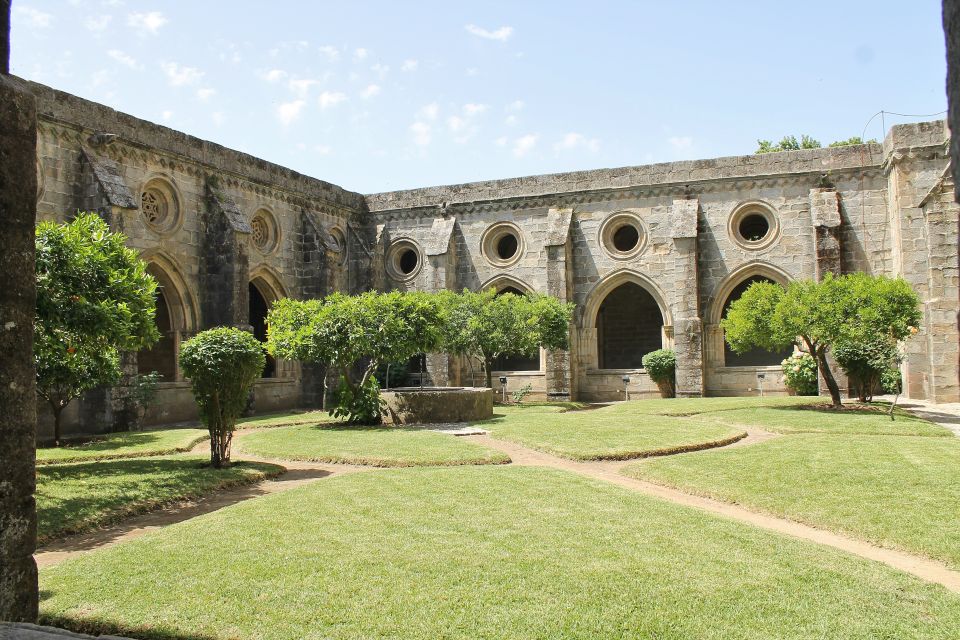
(222,365)
(661,366)
(800,374)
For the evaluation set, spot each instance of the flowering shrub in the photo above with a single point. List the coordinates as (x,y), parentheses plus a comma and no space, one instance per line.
(800,374)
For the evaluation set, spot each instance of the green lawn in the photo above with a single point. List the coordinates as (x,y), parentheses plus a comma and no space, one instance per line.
(896,491)
(72,498)
(284,419)
(483,552)
(616,432)
(693,406)
(133,444)
(806,420)
(377,446)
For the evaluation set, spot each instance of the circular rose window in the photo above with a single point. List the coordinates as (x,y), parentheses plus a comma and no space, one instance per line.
(160,206)
(753,226)
(263,231)
(502,244)
(622,235)
(404,260)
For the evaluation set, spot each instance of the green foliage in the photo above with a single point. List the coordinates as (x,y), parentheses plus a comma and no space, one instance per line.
(853,140)
(800,374)
(399,374)
(359,404)
(145,388)
(865,361)
(891,380)
(520,394)
(94,300)
(787,143)
(222,365)
(661,366)
(822,314)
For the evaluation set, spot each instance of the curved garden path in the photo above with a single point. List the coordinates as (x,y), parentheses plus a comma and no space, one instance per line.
(300,473)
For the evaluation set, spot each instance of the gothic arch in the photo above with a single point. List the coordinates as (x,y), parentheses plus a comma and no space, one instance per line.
(265,288)
(503,281)
(738,275)
(600,291)
(268,281)
(181,300)
(175,315)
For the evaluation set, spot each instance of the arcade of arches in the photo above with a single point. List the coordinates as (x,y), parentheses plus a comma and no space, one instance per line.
(258,320)
(754,357)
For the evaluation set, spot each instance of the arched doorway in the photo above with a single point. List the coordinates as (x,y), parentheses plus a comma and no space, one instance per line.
(162,356)
(258,320)
(754,357)
(629,326)
(516,362)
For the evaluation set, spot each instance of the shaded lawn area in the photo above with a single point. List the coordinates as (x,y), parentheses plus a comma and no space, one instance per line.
(616,432)
(496,552)
(901,492)
(73,498)
(285,419)
(378,446)
(131,444)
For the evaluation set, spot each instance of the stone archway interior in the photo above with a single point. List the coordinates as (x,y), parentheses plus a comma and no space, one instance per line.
(162,356)
(258,320)
(629,326)
(754,357)
(521,362)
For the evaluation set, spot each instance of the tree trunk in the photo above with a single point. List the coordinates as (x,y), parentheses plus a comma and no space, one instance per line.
(487,366)
(57,410)
(18,395)
(828,378)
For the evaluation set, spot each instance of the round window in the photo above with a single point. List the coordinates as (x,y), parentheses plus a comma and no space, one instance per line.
(622,235)
(403,260)
(160,206)
(263,231)
(753,226)
(502,244)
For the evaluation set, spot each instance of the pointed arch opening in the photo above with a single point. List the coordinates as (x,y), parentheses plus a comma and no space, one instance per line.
(174,315)
(754,357)
(529,362)
(629,325)
(258,320)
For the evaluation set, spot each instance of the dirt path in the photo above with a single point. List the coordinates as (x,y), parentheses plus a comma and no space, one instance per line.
(297,475)
(929,570)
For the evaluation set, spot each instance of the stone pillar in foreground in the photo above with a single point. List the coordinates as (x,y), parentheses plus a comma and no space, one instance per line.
(559,381)
(18,400)
(687,324)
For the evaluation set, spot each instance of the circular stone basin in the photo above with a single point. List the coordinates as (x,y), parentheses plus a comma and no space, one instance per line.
(429,405)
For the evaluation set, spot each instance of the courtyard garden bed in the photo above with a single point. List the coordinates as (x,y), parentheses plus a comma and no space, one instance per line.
(73,498)
(616,432)
(132,444)
(475,552)
(378,446)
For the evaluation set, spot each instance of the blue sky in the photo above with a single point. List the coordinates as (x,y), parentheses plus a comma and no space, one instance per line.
(376,96)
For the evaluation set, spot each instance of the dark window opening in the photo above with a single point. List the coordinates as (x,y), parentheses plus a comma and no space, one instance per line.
(507,246)
(513,362)
(629,326)
(754,227)
(754,357)
(258,320)
(162,356)
(626,238)
(408,261)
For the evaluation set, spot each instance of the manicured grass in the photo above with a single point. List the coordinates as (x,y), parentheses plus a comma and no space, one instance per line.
(377,446)
(496,552)
(72,498)
(806,420)
(617,432)
(284,419)
(901,492)
(694,406)
(132,444)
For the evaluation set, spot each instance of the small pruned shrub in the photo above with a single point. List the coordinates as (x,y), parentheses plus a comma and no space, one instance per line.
(360,403)
(661,366)
(865,361)
(800,374)
(222,365)
(521,394)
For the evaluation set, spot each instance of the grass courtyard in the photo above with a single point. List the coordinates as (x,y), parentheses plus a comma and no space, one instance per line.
(454,546)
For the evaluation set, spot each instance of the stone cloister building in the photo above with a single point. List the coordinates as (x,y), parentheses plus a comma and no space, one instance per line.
(651,256)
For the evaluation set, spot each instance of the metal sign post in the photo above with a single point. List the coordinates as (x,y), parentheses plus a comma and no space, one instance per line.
(503,388)
(760,378)
(626,387)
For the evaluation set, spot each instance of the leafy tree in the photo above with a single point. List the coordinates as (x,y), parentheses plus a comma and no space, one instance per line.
(800,374)
(356,332)
(822,315)
(787,143)
(853,140)
(222,365)
(486,326)
(661,366)
(94,300)
(865,361)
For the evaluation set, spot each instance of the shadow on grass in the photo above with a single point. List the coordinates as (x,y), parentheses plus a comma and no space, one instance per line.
(100,626)
(106,442)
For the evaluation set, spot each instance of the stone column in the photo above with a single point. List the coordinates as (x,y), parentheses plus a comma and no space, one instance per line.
(225,266)
(951,30)
(687,324)
(825,212)
(558,379)
(439,273)
(313,265)
(18,400)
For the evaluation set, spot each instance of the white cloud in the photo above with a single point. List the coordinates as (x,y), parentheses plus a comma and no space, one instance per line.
(274,75)
(472,72)
(516,105)
(370,91)
(577,141)
(409,65)
(100,77)
(290,111)
(510,120)
(381,70)
(301,86)
(524,145)
(323,149)
(205,93)
(456,123)
(502,141)
(330,51)
(166,115)
(33,18)
(331,99)
(217,117)
(360,54)
(98,24)
(429,111)
(500,34)
(152,21)
(123,58)
(421,133)
(179,76)
(472,109)
(680,143)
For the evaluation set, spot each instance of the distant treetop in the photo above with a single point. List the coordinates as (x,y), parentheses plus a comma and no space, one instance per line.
(790,143)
